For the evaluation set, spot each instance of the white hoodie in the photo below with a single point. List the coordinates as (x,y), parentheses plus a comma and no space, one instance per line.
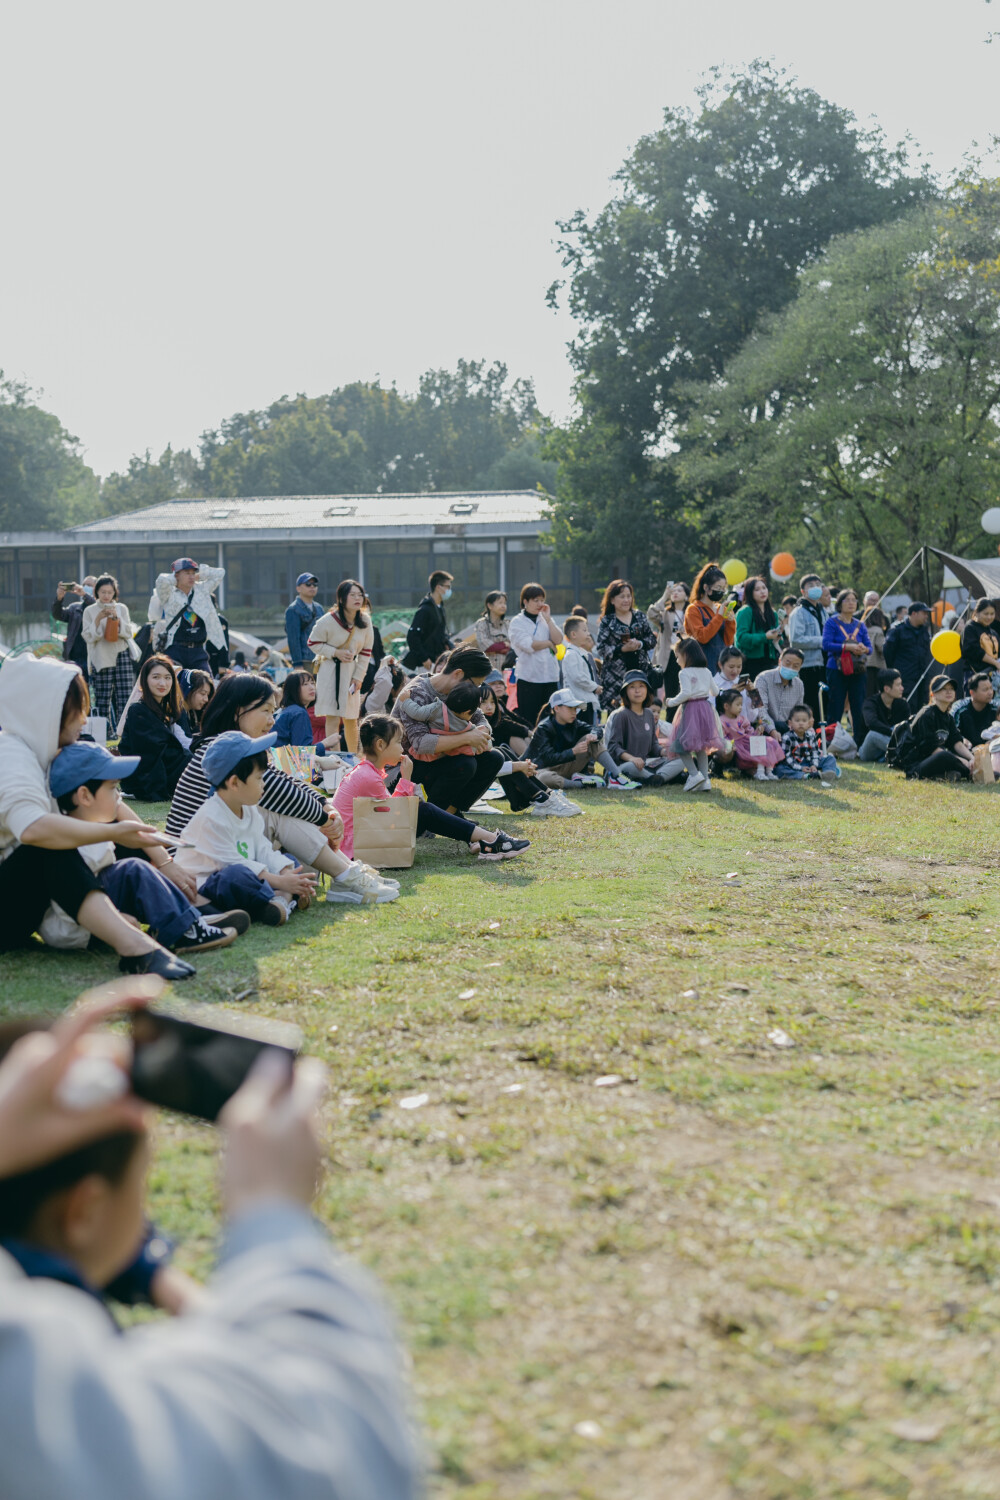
(32,694)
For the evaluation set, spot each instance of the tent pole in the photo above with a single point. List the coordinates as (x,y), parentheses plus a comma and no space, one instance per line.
(909,565)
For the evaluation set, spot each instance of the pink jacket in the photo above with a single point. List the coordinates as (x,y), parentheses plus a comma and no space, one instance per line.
(364,781)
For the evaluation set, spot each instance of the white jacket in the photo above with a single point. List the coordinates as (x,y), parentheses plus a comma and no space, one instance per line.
(576,675)
(102,653)
(221,838)
(533,666)
(168,601)
(32,693)
(286,1383)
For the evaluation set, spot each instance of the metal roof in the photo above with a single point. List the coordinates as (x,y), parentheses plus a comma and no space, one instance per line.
(486,509)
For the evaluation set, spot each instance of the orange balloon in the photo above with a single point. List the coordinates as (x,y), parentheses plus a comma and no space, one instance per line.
(783,565)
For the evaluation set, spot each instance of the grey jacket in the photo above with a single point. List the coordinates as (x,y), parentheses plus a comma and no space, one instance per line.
(778,696)
(806,635)
(287,1384)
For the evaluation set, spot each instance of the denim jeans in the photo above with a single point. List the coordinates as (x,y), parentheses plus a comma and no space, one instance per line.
(138,890)
(827,767)
(874,747)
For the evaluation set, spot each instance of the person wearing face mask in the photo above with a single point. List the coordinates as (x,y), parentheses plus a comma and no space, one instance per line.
(781,688)
(708,619)
(427,637)
(805,632)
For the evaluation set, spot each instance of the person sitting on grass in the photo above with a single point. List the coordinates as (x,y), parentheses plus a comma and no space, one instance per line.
(197,691)
(631,736)
(447,716)
(803,757)
(231,856)
(935,747)
(152,733)
(517,778)
(781,688)
(382,747)
(976,713)
(79,1220)
(85,780)
(564,751)
(292,724)
(738,730)
(886,708)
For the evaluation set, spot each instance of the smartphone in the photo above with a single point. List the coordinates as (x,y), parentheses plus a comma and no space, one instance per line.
(193,1058)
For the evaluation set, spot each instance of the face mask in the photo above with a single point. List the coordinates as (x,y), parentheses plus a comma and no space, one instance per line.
(446,595)
(814,594)
(789,673)
(717,594)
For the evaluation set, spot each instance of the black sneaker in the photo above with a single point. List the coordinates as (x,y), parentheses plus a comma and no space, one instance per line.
(203,935)
(238,920)
(503,847)
(159,961)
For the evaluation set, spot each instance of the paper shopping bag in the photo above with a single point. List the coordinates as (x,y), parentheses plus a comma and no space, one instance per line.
(982,766)
(385,831)
(97,727)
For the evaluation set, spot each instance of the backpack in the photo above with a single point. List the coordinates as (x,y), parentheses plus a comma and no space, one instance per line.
(900,747)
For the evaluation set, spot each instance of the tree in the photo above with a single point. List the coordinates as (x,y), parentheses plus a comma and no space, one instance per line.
(716,215)
(44,482)
(865,416)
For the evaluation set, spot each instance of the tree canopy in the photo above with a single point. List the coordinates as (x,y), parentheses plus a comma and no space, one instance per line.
(44,482)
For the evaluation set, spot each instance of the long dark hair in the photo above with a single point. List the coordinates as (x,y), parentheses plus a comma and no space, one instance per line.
(707,576)
(169,708)
(236,694)
(343,589)
(764,619)
(615,587)
(691,652)
(291,689)
(491,598)
(196,679)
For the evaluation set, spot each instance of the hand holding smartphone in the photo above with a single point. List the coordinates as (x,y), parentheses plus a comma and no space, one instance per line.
(193,1058)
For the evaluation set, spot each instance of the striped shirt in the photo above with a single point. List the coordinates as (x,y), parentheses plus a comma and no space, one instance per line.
(283,794)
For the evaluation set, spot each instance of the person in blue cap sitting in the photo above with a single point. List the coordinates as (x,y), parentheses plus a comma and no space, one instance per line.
(300,617)
(84,779)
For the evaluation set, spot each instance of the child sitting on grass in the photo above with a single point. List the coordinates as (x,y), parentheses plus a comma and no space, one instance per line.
(631,735)
(84,779)
(80,1219)
(738,729)
(232,858)
(803,756)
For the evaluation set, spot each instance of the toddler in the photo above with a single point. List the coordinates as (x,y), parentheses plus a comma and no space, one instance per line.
(803,756)
(738,729)
(694,733)
(440,716)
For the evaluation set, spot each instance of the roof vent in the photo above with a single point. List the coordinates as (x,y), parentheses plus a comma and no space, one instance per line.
(464,508)
(218,515)
(340,510)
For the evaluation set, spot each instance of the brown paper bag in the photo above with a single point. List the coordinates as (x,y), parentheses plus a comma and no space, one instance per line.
(982,766)
(385,831)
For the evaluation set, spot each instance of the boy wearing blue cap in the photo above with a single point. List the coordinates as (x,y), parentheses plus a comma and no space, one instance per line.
(84,779)
(233,859)
(300,617)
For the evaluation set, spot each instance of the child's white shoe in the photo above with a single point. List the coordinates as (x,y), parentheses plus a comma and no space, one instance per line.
(705,785)
(760,774)
(694,781)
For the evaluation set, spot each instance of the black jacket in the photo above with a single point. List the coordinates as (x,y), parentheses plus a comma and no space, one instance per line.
(427,636)
(552,743)
(74,646)
(972,721)
(884,720)
(972,646)
(162,756)
(931,730)
(908,649)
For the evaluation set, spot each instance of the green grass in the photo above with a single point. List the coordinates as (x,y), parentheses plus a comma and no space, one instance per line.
(742,1267)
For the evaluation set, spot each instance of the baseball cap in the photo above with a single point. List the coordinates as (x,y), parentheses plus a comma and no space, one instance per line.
(940,682)
(85,761)
(305,578)
(919,604)
(492,677)
(565,698)
(181,563)
(225,752)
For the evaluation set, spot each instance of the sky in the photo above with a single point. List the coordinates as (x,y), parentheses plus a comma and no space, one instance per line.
(207,206)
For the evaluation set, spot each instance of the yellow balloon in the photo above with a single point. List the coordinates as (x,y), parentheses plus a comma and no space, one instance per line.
(735,571)
(946,647)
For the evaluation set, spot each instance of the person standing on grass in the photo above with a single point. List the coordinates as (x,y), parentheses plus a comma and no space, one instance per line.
(883,711)
(981,641)
(757,629)
(908,649)
(492,629)
(71,615)
(111,652)
(877,626)
(666,617)
(184,615)
(454,782)
(534,636)
(708,618)
(847,647)
(300,617)
(695,733)
(804,629)
(342,641)
(625,640)
(427,637)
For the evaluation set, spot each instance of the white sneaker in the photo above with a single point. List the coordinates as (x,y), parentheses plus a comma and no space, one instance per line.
(555,806)
(385,879)
(760,774)
(357,888)
(694,781)
(621,784)
(705,785)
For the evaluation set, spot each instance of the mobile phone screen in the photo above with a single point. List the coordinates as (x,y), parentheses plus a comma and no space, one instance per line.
(194,1058)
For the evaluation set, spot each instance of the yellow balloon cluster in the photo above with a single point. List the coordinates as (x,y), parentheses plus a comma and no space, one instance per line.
(946,647)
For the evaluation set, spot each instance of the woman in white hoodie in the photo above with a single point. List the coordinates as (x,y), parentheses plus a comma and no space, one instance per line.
(43,705)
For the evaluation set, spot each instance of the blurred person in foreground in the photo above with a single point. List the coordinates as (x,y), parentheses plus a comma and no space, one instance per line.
(282,1379)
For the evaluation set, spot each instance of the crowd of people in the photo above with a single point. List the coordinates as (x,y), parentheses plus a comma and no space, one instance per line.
(708,682)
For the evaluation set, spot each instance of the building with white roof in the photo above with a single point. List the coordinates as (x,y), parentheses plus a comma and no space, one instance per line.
(390,542)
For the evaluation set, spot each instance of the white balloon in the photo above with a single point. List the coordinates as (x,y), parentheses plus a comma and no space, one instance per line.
(991,520)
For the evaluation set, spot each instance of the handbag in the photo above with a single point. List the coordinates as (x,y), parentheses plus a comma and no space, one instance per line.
(111,629)
(385,831)
(847,657)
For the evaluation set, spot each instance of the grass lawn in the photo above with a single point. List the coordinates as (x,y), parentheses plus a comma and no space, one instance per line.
(765,1261)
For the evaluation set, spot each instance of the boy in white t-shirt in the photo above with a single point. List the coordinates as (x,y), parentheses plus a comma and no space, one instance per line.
(232,854)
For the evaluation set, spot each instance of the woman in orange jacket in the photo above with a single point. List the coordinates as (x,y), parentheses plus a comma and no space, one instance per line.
(709,619)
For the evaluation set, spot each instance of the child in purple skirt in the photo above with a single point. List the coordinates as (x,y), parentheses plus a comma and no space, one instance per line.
(694,733)
(738,729)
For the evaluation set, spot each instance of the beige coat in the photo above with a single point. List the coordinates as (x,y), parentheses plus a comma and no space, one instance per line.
(327,636)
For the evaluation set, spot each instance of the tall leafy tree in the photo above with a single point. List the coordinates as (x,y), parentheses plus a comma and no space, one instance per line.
(864,419)
(716,214)
(44,481)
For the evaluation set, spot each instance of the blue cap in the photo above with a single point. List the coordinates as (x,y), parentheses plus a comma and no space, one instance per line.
(225,752)
(305,578)
(183,564)
(85,761)
(492,677)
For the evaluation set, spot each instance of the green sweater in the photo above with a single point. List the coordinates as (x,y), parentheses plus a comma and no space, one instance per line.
(751,642)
